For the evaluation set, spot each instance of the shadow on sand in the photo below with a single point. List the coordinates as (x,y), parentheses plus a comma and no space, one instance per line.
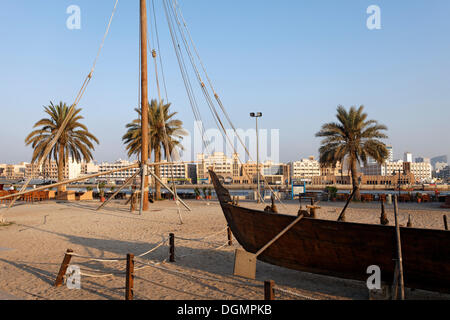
(212,263)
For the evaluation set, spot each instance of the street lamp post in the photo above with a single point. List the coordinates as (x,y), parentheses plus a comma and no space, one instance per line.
(256,116)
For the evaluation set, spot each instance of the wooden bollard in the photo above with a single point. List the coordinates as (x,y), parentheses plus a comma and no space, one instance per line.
(409,224)
(269,291)
(172,247)
(129,278)
(445,222)
(383,218)
(230,236)
(62,270)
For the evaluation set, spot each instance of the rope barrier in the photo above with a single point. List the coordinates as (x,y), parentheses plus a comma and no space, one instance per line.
(161,243)
(147,265)
(204,238)
(164,241)
(100,276)
(96,259)
(192,254)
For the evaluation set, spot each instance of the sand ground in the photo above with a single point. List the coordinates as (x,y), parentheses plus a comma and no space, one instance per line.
(32,248)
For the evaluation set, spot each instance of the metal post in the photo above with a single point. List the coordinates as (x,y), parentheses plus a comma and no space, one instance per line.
(256,116)
(257,160)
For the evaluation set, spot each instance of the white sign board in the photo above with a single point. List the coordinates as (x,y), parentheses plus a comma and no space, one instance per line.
(298,190)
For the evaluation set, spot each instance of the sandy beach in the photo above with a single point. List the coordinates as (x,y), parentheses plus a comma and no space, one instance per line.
(32,249)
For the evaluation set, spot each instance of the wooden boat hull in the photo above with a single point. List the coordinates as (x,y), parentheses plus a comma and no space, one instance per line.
(342,249)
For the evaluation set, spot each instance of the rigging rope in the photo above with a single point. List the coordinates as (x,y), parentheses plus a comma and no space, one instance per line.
(80,94)
(187,83)
(210,103)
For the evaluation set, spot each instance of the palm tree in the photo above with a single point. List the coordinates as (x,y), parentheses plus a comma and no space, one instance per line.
(354,139)
(165,133)
(75,141)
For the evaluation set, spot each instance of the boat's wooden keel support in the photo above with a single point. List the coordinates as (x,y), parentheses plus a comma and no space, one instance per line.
(245,262)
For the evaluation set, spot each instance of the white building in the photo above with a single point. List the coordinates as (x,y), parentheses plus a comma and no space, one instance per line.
(305,169)
(422,170)
(407,157)
(117,176)
(89,168)
(74,169)
(178,170)
(390,152)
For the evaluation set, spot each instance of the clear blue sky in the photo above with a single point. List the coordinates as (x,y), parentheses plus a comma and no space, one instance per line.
(294,60)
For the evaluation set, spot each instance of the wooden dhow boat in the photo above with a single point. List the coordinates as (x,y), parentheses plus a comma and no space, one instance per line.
(341,249)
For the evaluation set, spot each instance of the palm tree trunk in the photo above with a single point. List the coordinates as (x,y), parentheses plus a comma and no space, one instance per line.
(61,168)
(158,172)
(354,170)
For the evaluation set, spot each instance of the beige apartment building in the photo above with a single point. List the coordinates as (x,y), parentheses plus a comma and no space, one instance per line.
(49,170)
(223,166)
(305,169)
(14,171)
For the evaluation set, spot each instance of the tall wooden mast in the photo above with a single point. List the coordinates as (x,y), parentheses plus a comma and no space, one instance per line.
(144,105)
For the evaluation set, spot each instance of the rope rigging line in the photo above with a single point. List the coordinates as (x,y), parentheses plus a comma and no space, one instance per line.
(159,50)
(209,101)
(80,94)
(175,10)
(168,150)
(186,80)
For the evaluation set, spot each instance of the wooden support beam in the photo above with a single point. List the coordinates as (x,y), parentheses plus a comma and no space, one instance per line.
(172,247)
(383,218)
(145,143)
(269,290)
(62,270)
(399,251)
(445,222)
(342,215)
(129,278)
(130,180)
(170,190)
(230,236)
(395,282)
